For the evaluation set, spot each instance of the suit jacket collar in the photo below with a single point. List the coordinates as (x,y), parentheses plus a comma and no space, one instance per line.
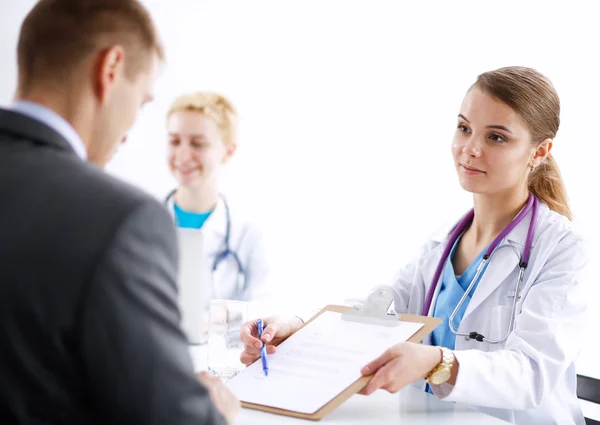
(22,126)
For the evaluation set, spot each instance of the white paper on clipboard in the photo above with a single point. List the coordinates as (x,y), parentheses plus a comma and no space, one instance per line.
(317,363)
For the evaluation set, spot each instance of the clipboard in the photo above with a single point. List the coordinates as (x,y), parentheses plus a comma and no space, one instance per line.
(375,311)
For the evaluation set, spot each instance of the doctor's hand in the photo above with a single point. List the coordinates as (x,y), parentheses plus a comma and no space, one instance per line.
(276,330)
(399,366)
(226,403)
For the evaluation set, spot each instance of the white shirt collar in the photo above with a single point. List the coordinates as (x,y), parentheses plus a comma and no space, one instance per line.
(54,121)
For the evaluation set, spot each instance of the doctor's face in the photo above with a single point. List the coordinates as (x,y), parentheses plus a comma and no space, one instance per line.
(492,146)
(196,149)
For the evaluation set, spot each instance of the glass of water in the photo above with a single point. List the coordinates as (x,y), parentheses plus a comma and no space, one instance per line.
(225,320)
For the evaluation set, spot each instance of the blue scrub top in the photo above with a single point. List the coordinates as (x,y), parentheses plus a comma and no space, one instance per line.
(452,290)
(188,219)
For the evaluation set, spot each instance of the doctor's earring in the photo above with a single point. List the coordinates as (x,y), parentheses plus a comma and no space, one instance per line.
(532,168)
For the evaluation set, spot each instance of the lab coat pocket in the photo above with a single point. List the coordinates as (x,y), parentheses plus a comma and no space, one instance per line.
(500,322)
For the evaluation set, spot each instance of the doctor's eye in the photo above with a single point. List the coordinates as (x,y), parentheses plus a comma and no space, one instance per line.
(173,141)
(463,128)
(497,138)
(199,144)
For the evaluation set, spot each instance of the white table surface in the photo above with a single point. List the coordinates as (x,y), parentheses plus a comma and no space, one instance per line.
(409,406)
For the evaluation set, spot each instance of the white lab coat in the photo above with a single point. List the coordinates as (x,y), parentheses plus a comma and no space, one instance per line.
(247,241)
(529,379)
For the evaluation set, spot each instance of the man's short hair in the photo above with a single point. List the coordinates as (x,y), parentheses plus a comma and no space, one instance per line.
(58,35)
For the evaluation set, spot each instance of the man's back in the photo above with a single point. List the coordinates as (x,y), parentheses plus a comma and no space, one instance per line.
(88,317)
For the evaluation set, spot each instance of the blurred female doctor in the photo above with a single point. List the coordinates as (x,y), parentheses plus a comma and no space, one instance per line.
(509,357)
(202,138)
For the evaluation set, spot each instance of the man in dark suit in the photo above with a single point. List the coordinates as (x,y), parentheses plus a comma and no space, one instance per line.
(89,324)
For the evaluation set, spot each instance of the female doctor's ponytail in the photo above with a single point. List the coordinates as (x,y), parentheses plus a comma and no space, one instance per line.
(534,98)
(546,183)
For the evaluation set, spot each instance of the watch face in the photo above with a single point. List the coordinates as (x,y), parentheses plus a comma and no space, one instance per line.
(440,376)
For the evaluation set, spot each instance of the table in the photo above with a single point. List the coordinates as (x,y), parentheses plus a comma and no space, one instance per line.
(409,406)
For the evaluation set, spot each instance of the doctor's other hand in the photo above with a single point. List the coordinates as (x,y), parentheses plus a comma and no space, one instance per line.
(223,399)
(276,330)
(400,366)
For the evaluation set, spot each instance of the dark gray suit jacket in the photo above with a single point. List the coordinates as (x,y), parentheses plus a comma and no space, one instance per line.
(89,325)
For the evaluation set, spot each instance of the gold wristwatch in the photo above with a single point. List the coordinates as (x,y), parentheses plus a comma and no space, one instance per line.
(442,372)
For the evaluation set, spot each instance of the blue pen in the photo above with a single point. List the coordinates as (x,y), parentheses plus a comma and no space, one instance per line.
(263,349)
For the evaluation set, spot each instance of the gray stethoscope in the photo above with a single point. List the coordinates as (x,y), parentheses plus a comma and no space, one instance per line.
(532,203)
(221,256)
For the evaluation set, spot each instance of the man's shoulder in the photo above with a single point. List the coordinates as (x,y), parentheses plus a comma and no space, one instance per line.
(90,192)
(101,190)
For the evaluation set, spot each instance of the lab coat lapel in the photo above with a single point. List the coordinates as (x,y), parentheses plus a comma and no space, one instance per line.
(502,263)
(214,230)
(430,262)
(500,266)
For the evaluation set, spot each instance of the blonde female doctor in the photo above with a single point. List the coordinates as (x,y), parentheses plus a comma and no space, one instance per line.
(202,138)
(503,350)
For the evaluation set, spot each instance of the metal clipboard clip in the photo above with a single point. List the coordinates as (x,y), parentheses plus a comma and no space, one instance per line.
(375,310)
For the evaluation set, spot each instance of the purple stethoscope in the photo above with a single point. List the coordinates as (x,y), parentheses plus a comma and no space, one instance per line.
(532,203)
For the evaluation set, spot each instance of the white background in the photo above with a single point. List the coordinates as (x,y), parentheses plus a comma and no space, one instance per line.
(347,113)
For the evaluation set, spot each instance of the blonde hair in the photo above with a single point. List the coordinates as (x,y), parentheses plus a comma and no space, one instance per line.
(534,98)
(212,105)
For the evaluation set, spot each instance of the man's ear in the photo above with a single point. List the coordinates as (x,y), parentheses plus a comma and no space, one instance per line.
(109,71)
